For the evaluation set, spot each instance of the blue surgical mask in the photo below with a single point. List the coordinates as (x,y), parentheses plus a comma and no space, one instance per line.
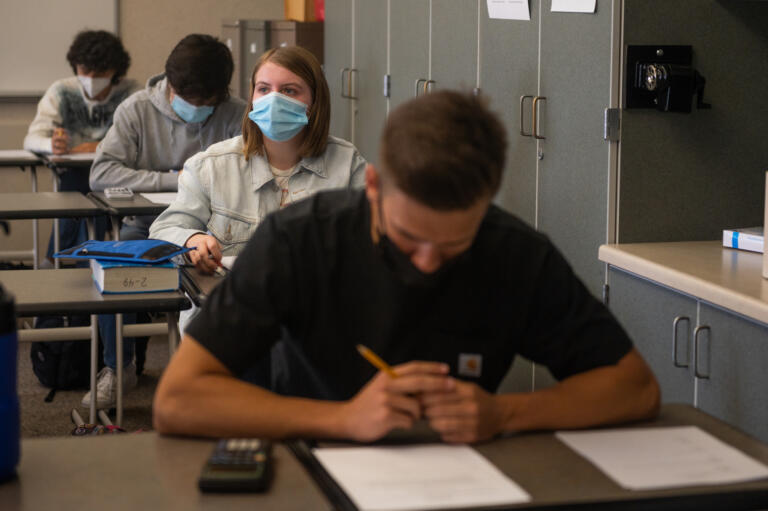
(279,117)
(190,112)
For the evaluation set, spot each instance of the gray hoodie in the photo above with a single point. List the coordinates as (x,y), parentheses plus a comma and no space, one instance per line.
(147,139)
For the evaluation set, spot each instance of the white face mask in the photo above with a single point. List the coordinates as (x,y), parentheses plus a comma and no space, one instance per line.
(93,86)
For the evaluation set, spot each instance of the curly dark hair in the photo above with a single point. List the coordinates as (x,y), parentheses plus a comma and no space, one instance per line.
(99,50)
(200,68)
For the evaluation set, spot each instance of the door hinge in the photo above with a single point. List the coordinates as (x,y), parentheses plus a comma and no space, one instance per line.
(612,124)
(387,85)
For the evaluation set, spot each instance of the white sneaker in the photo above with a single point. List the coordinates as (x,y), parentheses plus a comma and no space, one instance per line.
(106,386)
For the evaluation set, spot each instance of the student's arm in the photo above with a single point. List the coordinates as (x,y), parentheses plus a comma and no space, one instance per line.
(611,394)
(197,395)
(40,131)
(117,156)
(190,212)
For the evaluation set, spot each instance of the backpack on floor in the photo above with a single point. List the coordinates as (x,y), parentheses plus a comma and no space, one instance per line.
(64,365)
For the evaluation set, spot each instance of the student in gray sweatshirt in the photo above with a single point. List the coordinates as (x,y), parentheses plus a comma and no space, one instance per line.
(178,114)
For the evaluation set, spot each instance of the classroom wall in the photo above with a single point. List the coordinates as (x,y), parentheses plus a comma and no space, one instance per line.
(149,29)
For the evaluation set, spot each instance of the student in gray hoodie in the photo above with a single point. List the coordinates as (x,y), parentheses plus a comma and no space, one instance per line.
(178,114)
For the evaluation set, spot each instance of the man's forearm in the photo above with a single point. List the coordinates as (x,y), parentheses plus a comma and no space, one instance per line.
(607,395)
(213,405)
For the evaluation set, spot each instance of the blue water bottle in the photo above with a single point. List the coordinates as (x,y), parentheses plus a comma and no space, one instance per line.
(9,398)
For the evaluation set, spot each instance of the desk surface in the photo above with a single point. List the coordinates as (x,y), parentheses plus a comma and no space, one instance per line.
(72,291)
(557,477)
(137,205)
(18,158)
(17,206)
(70,161)
(725,277)
(140,471)
(198,285)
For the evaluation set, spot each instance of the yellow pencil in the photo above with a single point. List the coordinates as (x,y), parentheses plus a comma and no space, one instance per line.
(374,359)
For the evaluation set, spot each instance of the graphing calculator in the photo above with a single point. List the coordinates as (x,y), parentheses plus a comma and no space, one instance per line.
(118,193)
(237,465)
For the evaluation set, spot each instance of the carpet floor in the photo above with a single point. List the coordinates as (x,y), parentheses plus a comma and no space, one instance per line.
(41,419)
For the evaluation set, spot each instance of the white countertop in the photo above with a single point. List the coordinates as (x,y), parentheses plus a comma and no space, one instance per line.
(725,277)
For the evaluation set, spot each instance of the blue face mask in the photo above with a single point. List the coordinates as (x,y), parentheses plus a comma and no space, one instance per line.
(190,112)
(279,117)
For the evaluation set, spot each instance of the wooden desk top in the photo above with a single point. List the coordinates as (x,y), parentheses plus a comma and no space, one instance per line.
(725,277)
(141,471)
(137,205)
(72,291)
(19,158)
(28,205)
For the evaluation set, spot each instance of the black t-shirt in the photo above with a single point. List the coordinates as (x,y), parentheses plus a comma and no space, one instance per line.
(312,278)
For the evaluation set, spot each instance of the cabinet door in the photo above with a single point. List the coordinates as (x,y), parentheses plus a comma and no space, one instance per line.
(733,356)
(454,44)
(338,55)
(371,63)
(509,63)
(409,47)
(573,172)
(647,312)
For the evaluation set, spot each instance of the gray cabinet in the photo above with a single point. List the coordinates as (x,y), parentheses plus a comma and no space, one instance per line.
(574,167)
(731,358)
(338,56)
(515,44)
(370,66)
(700,354)
(660,322)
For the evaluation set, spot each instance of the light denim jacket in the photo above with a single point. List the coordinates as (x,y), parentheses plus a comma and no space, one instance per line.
(222,193)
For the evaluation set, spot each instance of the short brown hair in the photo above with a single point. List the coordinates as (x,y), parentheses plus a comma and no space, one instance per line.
(444,149)
(303,64)
(200,68)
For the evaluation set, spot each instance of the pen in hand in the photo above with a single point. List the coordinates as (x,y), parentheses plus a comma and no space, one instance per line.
(376,361)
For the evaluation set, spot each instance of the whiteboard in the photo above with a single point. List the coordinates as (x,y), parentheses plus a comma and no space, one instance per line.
(35,36)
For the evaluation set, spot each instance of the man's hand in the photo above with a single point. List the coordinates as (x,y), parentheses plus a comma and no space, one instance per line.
(60,141)
(465,414)
(207,256)
(386,403)
(85,147)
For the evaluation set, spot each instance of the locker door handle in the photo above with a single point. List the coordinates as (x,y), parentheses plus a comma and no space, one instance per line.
(348,72)
(696,333)
(522,129)
(428,86)
(677,320)
(418,85)
(535,109)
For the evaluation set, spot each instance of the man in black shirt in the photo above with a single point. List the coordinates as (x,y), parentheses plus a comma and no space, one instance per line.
(422,269)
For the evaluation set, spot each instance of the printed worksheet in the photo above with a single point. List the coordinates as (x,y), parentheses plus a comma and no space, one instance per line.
(418,477)
(652,458)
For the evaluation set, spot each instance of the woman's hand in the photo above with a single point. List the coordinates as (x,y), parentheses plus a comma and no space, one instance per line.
(207,254)
(60,141)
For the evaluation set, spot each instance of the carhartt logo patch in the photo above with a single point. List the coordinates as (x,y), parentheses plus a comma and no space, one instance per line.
(470,364)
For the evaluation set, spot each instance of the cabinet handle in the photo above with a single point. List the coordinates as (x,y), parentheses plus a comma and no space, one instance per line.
(418,85)
(674,340)
(696,332)
(522,130)
(348,72)
(536,116)
(428,86)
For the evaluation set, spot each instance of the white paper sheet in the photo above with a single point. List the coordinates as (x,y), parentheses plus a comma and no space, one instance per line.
(418,477)
(228,261)
(74,157)
(159,197)
(650,458)
(509,9)
(574,6)
(16,154)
